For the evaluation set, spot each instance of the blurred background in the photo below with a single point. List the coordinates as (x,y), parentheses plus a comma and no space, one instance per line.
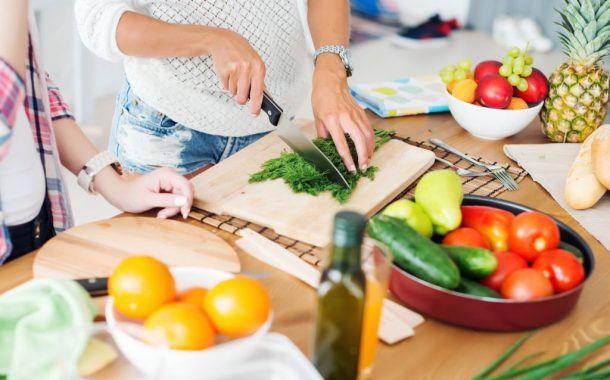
(385,43)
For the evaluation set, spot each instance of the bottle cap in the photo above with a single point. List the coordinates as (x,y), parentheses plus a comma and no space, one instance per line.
(349,229)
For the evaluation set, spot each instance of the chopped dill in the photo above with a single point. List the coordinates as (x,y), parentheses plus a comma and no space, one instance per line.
(303,177)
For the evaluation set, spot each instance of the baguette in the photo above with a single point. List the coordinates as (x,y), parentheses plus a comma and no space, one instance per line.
(600,155)
(583,190)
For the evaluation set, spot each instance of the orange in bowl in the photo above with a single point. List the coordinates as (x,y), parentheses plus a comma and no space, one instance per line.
(238,306)
(194,295)
(140,285)
(517,104)
(465,90)
(179,326)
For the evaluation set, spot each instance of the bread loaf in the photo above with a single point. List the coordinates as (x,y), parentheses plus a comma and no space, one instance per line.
(583,190)
(600,155)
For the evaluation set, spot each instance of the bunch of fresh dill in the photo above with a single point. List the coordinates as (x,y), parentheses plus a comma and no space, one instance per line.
(302,177)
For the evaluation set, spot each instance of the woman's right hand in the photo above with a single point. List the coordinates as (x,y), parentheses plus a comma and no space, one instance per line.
(239,68)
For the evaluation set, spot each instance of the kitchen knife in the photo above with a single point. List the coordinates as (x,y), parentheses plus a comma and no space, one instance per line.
(98,286)
(299,143)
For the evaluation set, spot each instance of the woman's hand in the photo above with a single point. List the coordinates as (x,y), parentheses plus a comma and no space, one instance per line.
(336,112)
(162,188)
(239,68)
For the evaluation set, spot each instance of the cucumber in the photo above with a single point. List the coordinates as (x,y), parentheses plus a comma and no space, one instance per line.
(573,250)
(473,262)
(473,288)
(415,253)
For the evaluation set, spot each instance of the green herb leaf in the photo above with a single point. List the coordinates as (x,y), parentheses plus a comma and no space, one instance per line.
(502,358)
(303,177)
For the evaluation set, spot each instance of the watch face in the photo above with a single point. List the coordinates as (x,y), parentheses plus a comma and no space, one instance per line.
(346,57)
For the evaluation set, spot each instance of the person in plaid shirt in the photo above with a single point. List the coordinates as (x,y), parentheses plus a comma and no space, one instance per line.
(38,133)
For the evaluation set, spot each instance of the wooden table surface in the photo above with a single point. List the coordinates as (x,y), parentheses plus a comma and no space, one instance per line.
(438,350)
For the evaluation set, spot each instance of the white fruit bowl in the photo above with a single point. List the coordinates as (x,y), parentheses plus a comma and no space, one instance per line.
(490,123)
(165,363)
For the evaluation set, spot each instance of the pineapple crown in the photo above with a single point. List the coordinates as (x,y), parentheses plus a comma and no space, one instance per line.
(585,33)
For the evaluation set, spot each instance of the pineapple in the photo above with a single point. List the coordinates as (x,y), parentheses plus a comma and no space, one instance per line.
(578,89)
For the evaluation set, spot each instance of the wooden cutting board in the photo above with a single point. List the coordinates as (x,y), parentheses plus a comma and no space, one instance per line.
(224,189)
(94,249)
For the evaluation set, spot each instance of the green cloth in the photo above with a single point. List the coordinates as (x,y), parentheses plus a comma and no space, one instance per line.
(44,326)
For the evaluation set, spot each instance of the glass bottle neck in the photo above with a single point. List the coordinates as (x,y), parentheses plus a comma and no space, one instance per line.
(345,257)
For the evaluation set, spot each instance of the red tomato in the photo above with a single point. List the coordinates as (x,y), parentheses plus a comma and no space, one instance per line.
(526,284)
(532,233)
(492,222)
(466,236)
(562,268)
(508,262)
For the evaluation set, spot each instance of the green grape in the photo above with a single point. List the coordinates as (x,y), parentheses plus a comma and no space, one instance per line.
(514,52)
(518,69)
(527,71)
(465,64)
(445,70)
(505,70)
(522,85)
(459,74)
(508,60)
(447,77)
(519,61)
(528,59)
(513,79)
(451,68)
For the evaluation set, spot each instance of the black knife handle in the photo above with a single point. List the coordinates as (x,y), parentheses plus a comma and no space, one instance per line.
(272,109)
(96,287)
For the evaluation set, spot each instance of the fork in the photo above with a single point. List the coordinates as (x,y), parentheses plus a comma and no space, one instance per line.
(498,171)
(461,171)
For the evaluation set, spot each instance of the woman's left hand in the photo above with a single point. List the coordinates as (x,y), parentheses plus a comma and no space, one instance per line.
(336,112)
(162,188)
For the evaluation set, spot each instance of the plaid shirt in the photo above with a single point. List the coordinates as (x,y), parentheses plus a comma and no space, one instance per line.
(43,103)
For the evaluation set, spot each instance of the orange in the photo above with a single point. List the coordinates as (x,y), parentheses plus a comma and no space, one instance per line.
(238,306)
(140,285)
(450,86)
(464,90)
(179,326)
(517,104)
(194,295)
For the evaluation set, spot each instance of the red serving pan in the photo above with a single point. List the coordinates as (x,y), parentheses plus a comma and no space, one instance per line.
(491,313)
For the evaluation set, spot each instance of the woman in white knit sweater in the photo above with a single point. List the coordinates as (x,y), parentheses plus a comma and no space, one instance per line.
(193,65)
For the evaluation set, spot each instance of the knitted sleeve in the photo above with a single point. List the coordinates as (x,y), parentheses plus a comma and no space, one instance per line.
(97,21)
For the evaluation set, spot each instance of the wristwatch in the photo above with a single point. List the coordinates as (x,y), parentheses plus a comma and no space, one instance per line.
(96,164)
(342,52)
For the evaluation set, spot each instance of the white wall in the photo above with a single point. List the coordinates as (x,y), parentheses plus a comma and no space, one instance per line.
(413,12)
(58,38)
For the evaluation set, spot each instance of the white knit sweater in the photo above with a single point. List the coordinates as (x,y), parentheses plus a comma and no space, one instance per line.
(187,89)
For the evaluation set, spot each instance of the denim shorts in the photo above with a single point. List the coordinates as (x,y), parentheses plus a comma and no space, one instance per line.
(144,139)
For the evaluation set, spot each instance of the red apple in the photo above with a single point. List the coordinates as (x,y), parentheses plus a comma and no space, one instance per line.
(486,68)
(494,91)
(537,88)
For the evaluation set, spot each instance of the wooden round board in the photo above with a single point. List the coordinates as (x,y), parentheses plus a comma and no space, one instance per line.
(94,249)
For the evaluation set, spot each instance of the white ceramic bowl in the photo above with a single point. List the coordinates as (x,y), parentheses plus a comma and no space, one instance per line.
(490,123)
(166,363)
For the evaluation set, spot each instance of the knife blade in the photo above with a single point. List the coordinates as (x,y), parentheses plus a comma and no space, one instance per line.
(98,286)
(299,143)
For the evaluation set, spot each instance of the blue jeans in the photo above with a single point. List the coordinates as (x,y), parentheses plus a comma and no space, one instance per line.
(144,139)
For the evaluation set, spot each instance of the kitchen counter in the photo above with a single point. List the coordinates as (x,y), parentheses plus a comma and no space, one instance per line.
(438,350)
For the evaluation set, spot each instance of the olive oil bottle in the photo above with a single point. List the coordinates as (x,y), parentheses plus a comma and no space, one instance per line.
(341,302)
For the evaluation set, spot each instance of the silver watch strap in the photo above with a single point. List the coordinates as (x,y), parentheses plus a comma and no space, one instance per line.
(341,51)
